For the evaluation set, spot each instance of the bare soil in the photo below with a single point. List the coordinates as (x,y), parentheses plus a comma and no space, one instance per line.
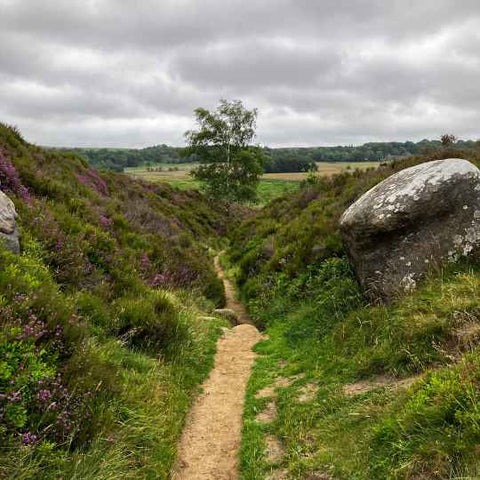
(278,475)
(266,392)
(274,449)
(271,390)
(212,435)
(380,381)
(308,393)
(232,302)
(268,414)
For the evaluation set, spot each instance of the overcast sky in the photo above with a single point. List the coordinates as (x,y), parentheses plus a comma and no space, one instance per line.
(321,72)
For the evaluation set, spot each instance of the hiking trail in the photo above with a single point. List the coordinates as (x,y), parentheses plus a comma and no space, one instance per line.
(212,435)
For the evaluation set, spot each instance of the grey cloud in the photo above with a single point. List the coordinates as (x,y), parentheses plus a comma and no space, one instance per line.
(123,72)
(252,63)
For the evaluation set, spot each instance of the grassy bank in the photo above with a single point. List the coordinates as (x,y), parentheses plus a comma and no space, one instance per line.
(377,392)
(360,391)
(108,409)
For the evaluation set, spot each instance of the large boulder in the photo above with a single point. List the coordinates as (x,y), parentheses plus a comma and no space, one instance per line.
(8,224)
(411,222)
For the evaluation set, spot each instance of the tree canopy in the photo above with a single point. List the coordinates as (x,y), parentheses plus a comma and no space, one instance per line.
(230,165)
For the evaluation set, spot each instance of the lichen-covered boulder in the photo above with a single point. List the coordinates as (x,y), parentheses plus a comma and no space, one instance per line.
(8,224)
(411,222)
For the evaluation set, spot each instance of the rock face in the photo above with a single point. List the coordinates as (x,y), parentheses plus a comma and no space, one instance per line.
(412,221)
(8,224)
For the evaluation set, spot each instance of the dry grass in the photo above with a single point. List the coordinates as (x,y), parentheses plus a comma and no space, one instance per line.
(325,169)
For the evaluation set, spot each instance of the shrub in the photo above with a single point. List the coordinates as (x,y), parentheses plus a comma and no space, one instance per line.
(151,323)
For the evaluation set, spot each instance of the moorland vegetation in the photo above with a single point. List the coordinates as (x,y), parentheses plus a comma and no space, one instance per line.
(107,329)
(105,317)
(395,386)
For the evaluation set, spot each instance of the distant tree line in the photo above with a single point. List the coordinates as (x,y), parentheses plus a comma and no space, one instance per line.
(287,160)
(373,151)
(277,159)
(117,159)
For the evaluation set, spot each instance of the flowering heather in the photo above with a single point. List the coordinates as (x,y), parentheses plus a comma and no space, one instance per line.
(80,297)
(159,280)
(146,262)
(9,179)
(105,222)
(92,179)
(181,277)
(28,438)
(34,328)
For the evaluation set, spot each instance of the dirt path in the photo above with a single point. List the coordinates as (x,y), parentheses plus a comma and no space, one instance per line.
(232,302)
(211,439)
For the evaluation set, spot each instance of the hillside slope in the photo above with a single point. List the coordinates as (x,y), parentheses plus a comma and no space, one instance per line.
(105,332)
(360,391)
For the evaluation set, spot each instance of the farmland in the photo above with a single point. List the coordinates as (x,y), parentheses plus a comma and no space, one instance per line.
(272,185)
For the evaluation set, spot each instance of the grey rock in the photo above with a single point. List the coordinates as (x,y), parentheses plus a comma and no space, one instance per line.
(411,222)
(8,224)
(228,314)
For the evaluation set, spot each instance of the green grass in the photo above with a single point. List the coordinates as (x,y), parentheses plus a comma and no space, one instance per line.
(187,184)
(142,424)
(429,430)
(290,268)
(268,189)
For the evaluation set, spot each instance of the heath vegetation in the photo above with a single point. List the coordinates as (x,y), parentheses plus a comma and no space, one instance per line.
(392,389)
(108,328)
(101,345)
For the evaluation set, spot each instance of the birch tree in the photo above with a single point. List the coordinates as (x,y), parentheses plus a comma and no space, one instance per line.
(230,165)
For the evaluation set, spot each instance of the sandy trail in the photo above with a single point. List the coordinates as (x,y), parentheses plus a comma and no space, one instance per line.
(232,302)
(212,435)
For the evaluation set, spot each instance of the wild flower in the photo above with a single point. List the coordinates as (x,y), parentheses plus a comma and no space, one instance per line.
(28,438)
(104,221)
(14,397)
(146,262)
(34,328)
(9,179)
(92,179)
(159,280)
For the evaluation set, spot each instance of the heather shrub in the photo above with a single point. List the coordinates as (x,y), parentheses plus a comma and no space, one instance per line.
(9,179)
(40,330)
(84,313)
(151,323)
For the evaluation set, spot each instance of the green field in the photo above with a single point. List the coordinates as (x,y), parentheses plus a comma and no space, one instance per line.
(272,185)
